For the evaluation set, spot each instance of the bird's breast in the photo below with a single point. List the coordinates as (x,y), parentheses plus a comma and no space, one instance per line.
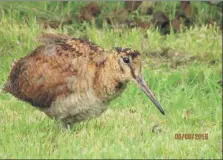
(86,104)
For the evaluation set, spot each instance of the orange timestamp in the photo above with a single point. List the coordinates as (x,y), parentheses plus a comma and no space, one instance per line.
(191,136)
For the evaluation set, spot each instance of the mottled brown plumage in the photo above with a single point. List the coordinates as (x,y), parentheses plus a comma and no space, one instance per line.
(73,80)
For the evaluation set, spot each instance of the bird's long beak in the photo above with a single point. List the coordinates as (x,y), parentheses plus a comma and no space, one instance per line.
(141,82)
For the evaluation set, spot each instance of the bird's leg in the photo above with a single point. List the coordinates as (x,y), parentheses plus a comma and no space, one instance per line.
(60,125)
(87,122)
(64,126)
(68,125)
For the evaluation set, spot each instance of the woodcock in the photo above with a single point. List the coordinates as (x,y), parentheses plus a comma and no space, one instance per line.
(72,80)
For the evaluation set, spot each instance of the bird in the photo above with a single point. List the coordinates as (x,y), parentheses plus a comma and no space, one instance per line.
(72,79)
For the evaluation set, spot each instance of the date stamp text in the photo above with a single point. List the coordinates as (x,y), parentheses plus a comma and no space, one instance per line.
(191,136)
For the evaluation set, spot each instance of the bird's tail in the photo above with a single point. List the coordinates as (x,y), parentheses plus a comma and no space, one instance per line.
(5,87)
(2,89)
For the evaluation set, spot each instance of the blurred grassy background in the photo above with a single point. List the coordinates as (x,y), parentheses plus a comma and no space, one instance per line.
(183,68)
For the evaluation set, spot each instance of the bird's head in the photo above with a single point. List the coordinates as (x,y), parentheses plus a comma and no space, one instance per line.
(129,63)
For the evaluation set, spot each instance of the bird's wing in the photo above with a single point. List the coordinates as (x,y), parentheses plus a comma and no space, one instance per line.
(43,75)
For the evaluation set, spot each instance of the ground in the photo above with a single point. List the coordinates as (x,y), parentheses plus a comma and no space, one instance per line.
(183,69)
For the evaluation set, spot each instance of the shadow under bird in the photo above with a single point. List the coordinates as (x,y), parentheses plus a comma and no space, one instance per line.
(72,80)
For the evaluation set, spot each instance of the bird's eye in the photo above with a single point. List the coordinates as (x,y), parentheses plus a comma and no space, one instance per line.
(126,59)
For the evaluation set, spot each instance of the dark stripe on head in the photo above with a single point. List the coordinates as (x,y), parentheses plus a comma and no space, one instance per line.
(127,51)
(118,49)
(133,54)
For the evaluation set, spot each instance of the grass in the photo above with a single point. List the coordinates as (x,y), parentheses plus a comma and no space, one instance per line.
(182,69)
